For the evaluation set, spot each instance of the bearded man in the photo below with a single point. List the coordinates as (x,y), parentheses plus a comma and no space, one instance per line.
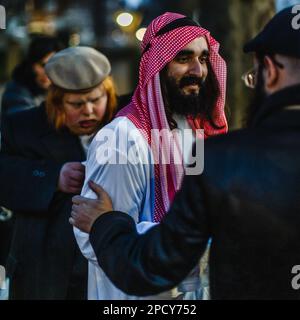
(181,86)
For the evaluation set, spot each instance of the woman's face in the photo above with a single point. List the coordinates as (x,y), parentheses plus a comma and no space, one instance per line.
(85,111)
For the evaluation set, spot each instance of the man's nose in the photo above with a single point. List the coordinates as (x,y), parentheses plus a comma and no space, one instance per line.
(197,69)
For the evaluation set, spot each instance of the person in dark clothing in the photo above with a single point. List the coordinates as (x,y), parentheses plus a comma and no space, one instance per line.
(246,200)
(29,81)
(41,168)
(27,89)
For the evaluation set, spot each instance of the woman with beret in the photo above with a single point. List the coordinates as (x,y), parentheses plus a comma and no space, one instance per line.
(41,169)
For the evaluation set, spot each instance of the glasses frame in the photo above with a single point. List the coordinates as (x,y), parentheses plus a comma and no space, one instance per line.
(250,76)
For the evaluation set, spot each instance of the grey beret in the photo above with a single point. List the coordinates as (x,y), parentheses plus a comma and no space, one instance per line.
(77,68)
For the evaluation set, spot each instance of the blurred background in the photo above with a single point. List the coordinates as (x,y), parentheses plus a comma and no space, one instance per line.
(116,27)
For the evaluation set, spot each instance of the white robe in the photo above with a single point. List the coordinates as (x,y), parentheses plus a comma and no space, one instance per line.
(131,188)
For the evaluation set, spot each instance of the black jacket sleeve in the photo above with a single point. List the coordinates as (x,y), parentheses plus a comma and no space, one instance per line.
(159,259)
(25,184)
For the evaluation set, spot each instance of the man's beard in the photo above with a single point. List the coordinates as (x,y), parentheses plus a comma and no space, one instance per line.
(258,98)
(192,104)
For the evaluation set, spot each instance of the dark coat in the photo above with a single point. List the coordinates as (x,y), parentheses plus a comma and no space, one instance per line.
(16,97)
(247,201)
(44,261)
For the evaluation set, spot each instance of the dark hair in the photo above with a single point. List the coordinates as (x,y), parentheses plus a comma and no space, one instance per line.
(212,92)
(39,47)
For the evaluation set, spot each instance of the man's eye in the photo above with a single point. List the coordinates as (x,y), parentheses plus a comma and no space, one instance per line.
(182,59)
(203,59)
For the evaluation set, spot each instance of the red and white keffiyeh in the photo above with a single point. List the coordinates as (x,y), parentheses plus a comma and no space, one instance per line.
(146,110)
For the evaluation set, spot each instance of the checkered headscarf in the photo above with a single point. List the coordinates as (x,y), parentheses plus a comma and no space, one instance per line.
(164,38)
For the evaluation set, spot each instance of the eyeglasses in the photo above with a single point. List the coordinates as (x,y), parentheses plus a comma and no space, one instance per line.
(250,78)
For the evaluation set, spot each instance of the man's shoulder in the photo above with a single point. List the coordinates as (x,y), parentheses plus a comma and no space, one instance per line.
(233,140)
(229,149)
(14,88)
(120,123)
(123,140)
(120,126)
(16,97)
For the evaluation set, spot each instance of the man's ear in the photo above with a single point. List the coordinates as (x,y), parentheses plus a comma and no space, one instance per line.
(271,74)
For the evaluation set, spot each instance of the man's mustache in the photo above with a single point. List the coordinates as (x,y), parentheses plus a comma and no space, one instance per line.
(191,80)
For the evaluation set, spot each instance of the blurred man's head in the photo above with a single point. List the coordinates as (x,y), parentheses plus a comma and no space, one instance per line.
(276,59)
(30,72)
(82,95)
(38,68)
(40,50)
(277,71)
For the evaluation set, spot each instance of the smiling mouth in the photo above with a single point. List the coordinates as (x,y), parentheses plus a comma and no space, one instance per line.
(193,85)
(192,88)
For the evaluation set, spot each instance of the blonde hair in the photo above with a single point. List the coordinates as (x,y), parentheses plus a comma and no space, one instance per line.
(54,103)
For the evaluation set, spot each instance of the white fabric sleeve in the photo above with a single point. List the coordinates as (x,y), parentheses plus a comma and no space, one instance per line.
(125,183)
